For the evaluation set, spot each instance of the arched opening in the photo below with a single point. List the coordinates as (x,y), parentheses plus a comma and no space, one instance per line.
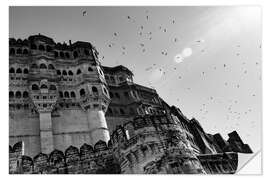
(43,86)
(86,52)
(25,71)
(33,46)
(95,90)
(75,54)
(70,73)
(25,51)
(19,51)
(51,67)
(25,94)
(62,55)
(48,48)
(43,66)
(72,94)
(55,54)
(66,94)
(90,69)
(52,87)
(122,112)
(18,94)
(41,47)
(11,70)
(61,94)
(25,106)
(67,55)
(11,94)
(19,71)
(34,66)
(64,72)
(79,71)
(82,92)
(58,72)
(35,87)
(12,51)
(112,79)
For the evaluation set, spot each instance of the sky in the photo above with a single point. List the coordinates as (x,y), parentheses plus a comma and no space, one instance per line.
(205,60)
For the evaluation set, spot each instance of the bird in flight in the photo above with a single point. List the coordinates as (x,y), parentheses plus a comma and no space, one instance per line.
(84,13)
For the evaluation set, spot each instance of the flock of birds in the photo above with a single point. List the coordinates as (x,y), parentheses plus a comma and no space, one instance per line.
(231,113)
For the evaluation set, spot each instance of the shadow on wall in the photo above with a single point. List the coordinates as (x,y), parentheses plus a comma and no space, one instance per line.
(86,160)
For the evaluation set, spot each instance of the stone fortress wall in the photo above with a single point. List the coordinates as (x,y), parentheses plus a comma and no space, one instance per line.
(70,114)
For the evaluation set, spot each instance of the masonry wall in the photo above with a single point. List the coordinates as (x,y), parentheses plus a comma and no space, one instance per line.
(24,126)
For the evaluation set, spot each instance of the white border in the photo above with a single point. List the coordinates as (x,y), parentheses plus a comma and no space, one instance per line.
(4,70)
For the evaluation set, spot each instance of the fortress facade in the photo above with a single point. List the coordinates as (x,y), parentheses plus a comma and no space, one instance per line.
(70,114)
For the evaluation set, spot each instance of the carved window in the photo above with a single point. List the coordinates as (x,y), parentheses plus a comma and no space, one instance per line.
(52,87)
(34,66)
(41,48)
(79,71)
(66,94)
(67,55)
(33,46)
(11,70)
(75,54)
(11,94)
(58,72)
(18,94)
(25,71)
(86,52)
(48,48)
(12,51)
(25,51)
(43,66)
(95,90)
(90,69)
(82,92)
(19,51)
(72,94)
(64,72)
(43,86)
(35,87)
(56,54)
(25,94)
(62,55)
(70,73)
(19,71)
(51,67)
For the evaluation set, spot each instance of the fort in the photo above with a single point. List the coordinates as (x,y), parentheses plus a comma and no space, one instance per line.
(70,114)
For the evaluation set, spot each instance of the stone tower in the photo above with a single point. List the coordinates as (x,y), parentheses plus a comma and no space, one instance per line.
(58,95)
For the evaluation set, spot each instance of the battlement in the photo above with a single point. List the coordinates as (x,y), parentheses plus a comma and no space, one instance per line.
(43,45)
(86,159)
